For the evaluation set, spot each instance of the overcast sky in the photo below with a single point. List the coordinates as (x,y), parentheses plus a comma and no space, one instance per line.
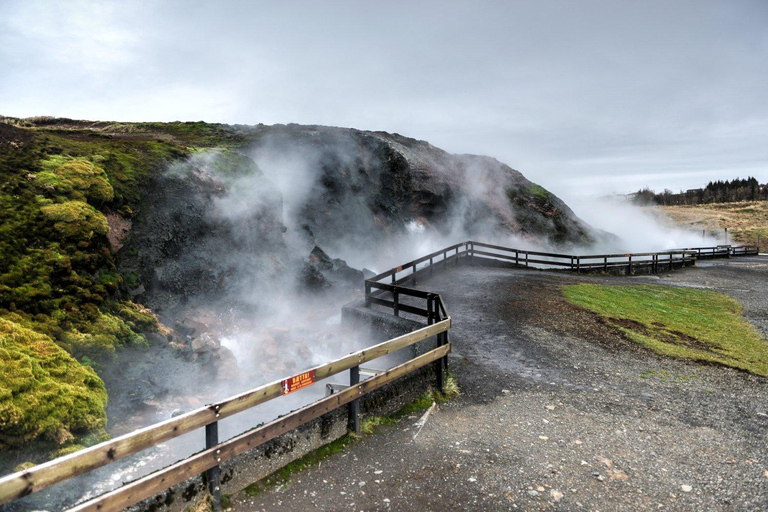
(582,97)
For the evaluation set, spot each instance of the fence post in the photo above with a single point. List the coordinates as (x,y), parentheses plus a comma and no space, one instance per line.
(354,405)
(396,296)
(431,268)
(367,294)
(457,256)
(629,265)
(440,363)
(517,257)
(213,475)
(430,300)
(670,261)
(578,264)
(414,271)
(605,264)
(526,258)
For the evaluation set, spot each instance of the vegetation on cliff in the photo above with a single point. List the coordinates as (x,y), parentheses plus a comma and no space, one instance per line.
(60,291)
(44,392)
(67,187)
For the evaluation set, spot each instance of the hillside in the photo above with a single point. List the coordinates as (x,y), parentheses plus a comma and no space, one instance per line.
(745,220)
(117,235)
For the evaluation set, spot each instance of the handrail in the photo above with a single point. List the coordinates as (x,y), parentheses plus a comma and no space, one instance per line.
(376,290)
(157,482)
(23,483)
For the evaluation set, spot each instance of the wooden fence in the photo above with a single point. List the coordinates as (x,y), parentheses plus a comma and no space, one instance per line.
(378,292)
(39,477)
(390,294)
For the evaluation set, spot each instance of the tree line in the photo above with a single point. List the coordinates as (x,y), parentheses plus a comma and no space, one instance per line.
(715,192)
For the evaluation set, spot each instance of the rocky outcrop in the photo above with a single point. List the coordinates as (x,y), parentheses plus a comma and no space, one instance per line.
(322,272)
(361,186)
(212,224)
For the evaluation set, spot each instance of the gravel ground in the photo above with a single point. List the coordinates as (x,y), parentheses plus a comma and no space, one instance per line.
(558,411)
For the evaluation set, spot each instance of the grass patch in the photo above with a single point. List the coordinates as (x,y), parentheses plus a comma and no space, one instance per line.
(282,475)
(685,323)
(745,220)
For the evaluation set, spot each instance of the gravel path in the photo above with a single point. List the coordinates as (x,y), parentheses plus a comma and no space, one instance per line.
(558,411)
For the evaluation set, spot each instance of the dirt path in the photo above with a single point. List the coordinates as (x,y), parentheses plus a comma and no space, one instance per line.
(559,412)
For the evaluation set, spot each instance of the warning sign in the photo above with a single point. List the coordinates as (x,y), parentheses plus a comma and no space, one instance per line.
(301,380)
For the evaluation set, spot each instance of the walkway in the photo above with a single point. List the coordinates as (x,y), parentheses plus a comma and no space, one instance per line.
(558,412)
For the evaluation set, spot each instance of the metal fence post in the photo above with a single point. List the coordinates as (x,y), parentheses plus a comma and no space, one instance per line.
(354,405)
(213,475)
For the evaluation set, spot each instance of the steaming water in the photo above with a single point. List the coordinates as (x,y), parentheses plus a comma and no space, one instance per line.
(329,341)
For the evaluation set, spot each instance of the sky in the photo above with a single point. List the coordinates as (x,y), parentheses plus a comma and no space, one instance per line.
(583,97)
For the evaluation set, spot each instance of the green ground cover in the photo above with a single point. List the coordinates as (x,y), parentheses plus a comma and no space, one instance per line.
(62,298)
(686,323)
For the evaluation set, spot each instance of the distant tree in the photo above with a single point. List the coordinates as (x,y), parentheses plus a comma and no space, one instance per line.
(748,189)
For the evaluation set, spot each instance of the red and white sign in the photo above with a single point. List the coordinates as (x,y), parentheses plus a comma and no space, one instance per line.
(299,381)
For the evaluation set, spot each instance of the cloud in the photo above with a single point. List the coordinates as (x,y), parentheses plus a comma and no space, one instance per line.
(565,92)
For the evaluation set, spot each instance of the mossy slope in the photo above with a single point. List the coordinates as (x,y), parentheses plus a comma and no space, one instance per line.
(61,295)
(44,392)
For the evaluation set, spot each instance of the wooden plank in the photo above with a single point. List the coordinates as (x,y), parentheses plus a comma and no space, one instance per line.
(146,487)
(402,307)
(494,255)
(403,290)
(23,483)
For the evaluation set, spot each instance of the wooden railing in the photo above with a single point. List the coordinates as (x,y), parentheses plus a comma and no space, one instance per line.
(23,483)
(377,292)
(390,294)
(725,251)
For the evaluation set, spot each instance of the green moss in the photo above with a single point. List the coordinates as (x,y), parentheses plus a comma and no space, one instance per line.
(76,219)
(540,193)
(58,276)
(686,323)
(74,178)
(45,394)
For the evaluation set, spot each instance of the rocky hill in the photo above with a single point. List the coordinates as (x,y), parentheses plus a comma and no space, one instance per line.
(105,226)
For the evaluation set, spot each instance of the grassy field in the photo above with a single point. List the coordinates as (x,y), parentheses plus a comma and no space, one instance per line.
(744,220)
(685,323)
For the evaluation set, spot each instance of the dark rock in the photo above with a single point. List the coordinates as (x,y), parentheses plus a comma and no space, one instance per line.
(322,272)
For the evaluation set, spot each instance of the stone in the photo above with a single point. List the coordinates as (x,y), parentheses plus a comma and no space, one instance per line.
(617,474)
(556,495)
(686,488)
